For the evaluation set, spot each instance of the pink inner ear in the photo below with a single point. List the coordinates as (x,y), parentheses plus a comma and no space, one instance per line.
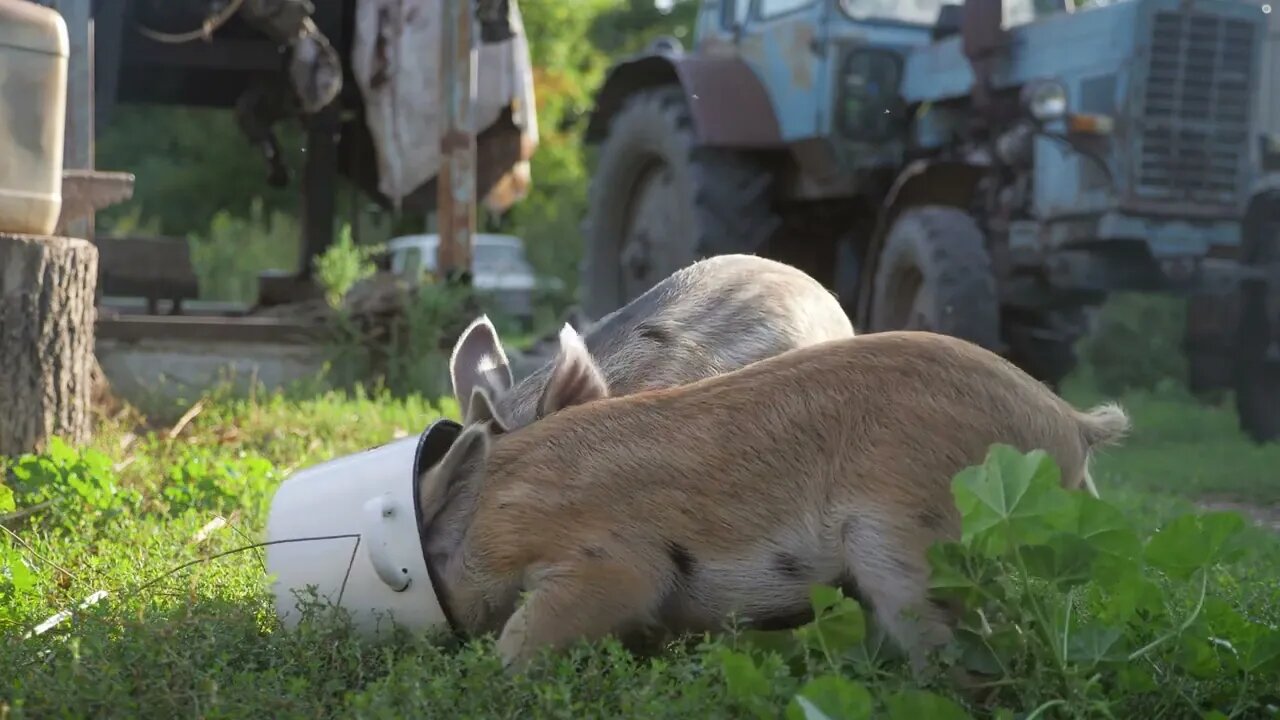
(476,359)
(575,380)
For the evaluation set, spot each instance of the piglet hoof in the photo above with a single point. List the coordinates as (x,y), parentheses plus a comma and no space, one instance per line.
(512,643)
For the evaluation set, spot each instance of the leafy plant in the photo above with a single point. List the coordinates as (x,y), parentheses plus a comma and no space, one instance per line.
(1136,344)
(342,265)
(16,577)
(77,486)
(1067,613)
(229,256)
(220,485)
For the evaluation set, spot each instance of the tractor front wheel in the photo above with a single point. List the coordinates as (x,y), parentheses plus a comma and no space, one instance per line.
(934,274)
(659,201)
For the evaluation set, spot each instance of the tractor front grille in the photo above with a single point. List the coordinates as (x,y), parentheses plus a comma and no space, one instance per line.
(1193,131)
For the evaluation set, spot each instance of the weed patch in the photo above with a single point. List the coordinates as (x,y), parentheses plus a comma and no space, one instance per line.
(1134,605)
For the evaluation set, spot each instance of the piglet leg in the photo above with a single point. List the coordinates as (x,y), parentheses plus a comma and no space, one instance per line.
(889,566)
(585,601)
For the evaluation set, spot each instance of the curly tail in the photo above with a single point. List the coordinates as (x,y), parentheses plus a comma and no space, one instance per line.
(1105,424)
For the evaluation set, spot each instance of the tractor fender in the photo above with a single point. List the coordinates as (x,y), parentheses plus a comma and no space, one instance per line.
(728,103)
(921,182)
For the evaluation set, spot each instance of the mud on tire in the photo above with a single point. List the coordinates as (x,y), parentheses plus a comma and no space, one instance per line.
(934,273)
(709,201)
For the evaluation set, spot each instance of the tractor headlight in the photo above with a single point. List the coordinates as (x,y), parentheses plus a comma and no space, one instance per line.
(1045,100)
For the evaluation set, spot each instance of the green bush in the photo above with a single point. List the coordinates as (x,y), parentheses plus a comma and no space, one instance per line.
(342,265)
(1136,344)
(228,258)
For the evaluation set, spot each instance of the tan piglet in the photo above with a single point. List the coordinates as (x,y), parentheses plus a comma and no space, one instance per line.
(672,510)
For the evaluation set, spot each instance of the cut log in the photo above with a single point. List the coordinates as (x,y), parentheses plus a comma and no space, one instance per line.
(46,340)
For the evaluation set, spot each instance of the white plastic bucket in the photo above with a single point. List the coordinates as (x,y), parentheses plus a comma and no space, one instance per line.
(350,527)
(34,50)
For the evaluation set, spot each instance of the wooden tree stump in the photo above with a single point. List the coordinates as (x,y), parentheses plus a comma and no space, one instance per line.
(46,340)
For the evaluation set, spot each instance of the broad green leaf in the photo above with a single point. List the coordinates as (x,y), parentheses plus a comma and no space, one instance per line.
(13,565)
(982,653)
(1136,678)
(783,642)
(1220,619)
(60,451)
(1260,653)
(1105,528)
(1094,643)
(955,574)
(838,623)
(1197,656)
(1255,648)
(1125,589)
(1065,561)
(823,598)
(1192,542)
(920,705)
(1012,498)
(7,504)
(830,696)
(743,678)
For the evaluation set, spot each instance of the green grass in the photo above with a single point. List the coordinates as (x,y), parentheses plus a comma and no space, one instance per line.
(1188,449)
(204,642)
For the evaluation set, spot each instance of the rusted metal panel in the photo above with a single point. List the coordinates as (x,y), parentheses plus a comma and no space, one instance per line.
(456,205)
(729,104)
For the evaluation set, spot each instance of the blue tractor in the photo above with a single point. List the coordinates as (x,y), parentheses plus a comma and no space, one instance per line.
(990,170)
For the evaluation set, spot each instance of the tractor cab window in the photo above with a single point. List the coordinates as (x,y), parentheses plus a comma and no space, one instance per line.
(925,12)
(916,12)
(774,8)
(734,12)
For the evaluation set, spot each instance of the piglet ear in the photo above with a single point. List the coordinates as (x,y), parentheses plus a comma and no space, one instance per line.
(478,361)
(575,377)
(483,409)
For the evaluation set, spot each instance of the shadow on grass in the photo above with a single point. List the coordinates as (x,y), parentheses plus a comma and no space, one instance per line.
(223,658)
(207,657)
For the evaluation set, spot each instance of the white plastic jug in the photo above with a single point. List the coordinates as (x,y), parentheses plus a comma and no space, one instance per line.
(33,98)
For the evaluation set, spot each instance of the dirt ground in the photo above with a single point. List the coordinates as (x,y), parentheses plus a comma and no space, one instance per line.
(1264,516)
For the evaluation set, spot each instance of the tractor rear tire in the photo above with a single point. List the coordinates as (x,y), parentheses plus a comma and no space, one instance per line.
(1257,347)
(934,274)
(659,202)
(1257,371)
